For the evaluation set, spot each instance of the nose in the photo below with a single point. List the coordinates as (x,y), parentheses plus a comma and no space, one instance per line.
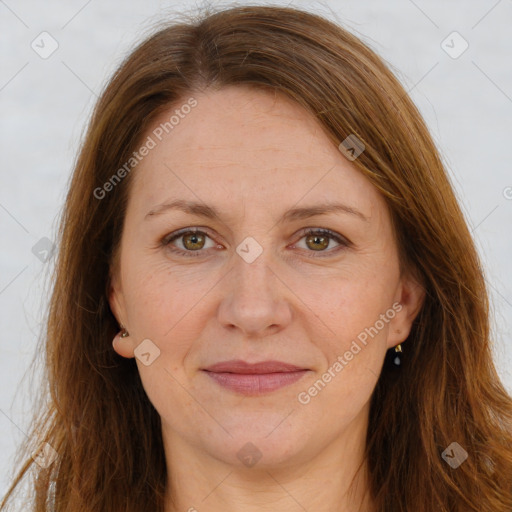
(255,299)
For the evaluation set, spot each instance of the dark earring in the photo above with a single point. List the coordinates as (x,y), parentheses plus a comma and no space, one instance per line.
(397,361)
(124,333)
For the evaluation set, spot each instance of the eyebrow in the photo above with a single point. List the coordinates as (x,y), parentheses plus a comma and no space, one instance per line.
(210,212)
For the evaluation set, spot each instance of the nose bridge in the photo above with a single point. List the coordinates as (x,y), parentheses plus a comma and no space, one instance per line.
(252,267)
(252,274)
(254,300)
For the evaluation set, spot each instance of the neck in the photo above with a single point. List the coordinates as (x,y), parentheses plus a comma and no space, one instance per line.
(334,479)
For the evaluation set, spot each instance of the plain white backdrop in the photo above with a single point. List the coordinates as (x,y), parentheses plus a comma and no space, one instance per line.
(56,57)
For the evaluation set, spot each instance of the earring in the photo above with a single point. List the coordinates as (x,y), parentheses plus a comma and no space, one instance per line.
(397,361)
(124,333)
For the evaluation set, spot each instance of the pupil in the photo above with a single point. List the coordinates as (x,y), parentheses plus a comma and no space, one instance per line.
(193,239)
(318,240)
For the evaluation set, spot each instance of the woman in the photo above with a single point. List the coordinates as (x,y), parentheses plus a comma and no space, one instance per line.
(266,295)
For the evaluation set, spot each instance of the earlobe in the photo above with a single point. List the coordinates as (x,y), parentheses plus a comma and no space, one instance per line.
(123,345)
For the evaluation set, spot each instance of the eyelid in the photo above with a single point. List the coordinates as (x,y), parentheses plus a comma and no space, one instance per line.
(183,231)
(343,242)
(167,239)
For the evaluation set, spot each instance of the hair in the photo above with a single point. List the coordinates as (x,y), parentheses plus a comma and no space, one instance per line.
(97,415)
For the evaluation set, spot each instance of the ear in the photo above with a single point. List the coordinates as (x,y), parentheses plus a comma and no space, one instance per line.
(410,295)
(123,346)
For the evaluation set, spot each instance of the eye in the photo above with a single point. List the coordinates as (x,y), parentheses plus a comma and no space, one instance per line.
(318,240)
(191,241)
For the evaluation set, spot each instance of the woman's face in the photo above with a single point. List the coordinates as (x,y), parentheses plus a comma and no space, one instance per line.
(275,273)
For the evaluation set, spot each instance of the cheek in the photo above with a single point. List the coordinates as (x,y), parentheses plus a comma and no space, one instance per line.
(160,297)
(163,306)
(350,319)
(353,348)
(348,303)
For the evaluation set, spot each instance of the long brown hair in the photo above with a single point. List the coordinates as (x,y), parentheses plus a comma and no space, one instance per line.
(97,416)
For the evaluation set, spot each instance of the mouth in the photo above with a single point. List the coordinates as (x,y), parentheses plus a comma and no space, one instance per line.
(254,379)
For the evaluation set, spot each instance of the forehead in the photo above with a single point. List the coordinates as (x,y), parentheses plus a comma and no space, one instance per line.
(243,143)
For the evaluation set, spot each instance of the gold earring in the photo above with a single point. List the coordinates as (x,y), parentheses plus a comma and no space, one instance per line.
(124,333)
(398,358)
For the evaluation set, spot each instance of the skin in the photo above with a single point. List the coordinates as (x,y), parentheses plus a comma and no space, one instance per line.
(254,155)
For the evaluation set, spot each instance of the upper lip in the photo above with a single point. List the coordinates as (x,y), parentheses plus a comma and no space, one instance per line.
(239,366)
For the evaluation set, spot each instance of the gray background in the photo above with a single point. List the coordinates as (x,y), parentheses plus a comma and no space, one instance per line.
(466,101)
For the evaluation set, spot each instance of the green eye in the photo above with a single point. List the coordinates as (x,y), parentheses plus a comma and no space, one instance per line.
(318,240)
(193,241)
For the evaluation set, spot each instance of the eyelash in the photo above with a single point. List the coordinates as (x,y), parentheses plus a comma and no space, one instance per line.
(166,241)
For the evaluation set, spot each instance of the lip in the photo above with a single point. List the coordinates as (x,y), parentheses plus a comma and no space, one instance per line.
(256,378)
(242,367)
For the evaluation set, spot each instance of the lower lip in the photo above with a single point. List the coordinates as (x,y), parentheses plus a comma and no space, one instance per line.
(256,384)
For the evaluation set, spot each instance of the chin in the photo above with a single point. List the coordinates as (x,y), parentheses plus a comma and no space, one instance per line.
(256,445)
